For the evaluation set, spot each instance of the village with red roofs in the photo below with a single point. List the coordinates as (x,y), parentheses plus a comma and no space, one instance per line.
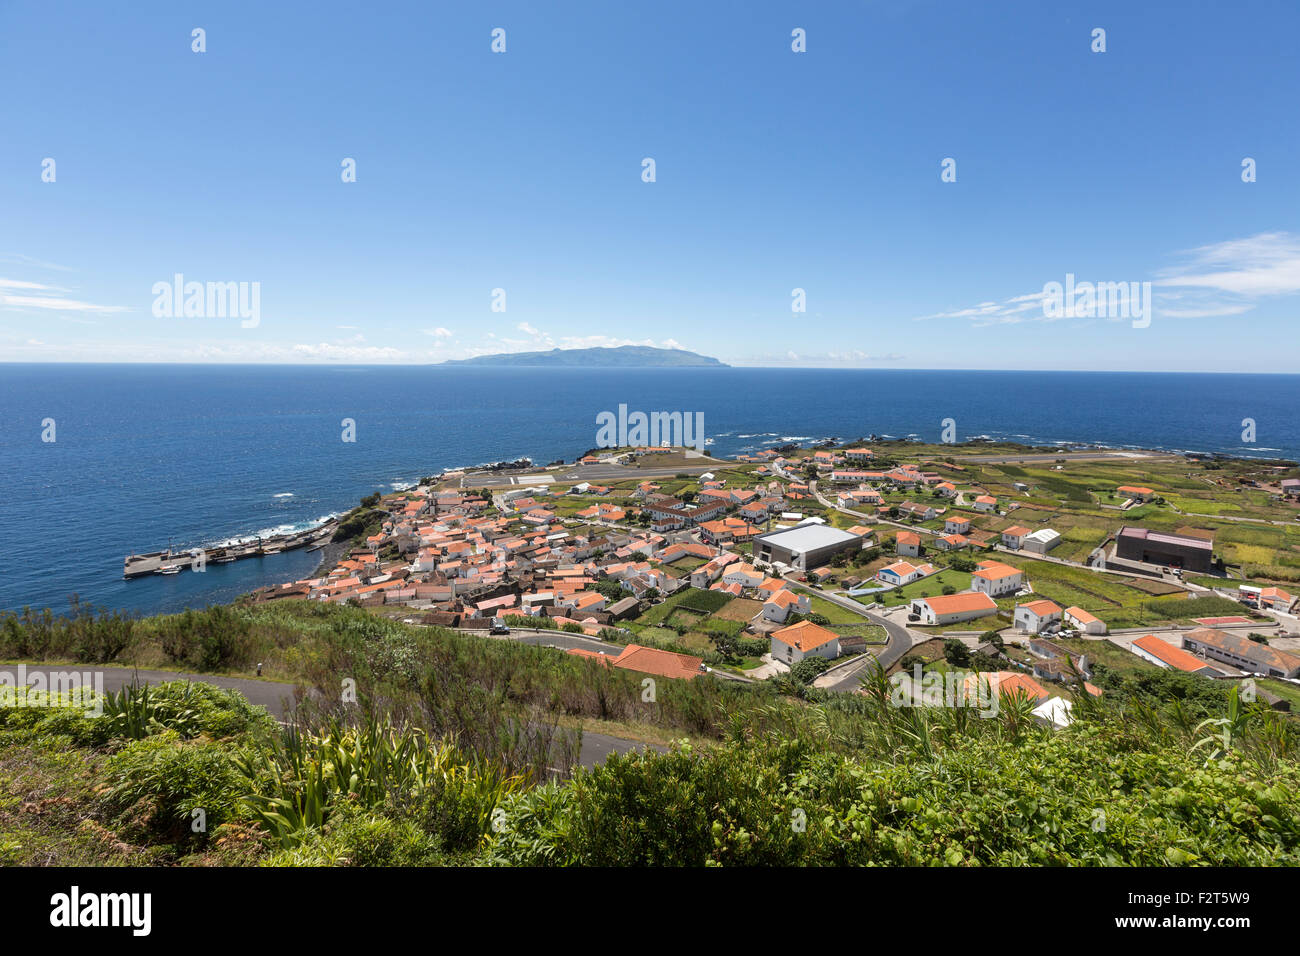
(824,564)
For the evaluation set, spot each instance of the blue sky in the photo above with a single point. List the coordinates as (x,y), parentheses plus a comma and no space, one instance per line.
(775,170)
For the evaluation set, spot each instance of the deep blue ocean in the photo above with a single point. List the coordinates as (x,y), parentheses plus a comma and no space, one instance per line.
(146,455)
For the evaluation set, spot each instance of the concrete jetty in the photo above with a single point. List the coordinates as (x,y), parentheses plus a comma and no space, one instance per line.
(173,562)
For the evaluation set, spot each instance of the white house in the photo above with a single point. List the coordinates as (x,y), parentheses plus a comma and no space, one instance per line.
(1080,619)
(1275,599)
(746,575)
(908,544)
(956,524)
(779,605)
(996,579)
(919,512)
(952,608)
(901,572)
(1011,537)
(584,602)
(985,503)
(1162,654)
(706,574)
(1036,616)
(805,639)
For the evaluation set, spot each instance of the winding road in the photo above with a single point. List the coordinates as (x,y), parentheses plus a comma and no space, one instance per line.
(898,643)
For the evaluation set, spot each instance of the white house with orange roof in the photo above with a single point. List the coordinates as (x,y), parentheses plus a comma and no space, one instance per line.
(1034,617)
(951,542)
(1135,492)
(793,644)
(1079,619)
(780,603)
(954,608)
(1013,536)
(996,579)
(1163,654)
(583,602)
(706,574)
(1275,599)
(746,575)
(956,524)
(908,544)
(985,503)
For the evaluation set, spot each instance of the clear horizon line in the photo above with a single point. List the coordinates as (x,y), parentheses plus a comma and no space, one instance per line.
(624,368)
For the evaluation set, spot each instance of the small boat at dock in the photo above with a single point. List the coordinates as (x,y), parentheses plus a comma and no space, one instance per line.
(173,562)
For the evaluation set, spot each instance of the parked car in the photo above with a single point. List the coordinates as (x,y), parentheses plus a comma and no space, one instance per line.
(498,626)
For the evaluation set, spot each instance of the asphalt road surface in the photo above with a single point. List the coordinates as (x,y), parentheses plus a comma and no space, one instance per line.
(596,473)
(897,643)
(1067,456)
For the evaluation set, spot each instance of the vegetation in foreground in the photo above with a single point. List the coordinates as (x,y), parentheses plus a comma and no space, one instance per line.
(449,756)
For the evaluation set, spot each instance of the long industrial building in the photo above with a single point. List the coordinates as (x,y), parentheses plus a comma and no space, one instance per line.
(805,546)
(1166,548)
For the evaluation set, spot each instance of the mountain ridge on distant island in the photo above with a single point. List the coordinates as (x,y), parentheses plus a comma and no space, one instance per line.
(623,356)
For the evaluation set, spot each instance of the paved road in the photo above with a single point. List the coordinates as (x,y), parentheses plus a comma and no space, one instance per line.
(596,473)
(898,642)
(280,700)
(1068,456)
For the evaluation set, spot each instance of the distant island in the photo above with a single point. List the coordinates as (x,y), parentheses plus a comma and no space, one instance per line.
(625,356)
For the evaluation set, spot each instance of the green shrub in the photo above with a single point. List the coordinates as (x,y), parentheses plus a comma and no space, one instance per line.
(809,669)
(217,638)
(1093,795)
(356,837)
(189,709)
(159,782)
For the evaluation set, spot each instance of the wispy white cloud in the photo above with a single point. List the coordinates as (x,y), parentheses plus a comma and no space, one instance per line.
(50,298)
(1223,278)
(1229,278)
(1261,265)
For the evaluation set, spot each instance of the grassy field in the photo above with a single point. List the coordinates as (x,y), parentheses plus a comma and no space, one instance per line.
(1289,692)
(1111,655)
(926,587)
(1120,602)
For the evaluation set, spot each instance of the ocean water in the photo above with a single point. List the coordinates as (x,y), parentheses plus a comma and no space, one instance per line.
(148,455)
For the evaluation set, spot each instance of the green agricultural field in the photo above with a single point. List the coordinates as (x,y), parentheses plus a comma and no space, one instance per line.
(707,602)
(871,633)
(660,613)
(926,587)
(1288,692)
(1202,506)
(1120,602)
(1104,652)
(833,612)
(688,564)
(681,617)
